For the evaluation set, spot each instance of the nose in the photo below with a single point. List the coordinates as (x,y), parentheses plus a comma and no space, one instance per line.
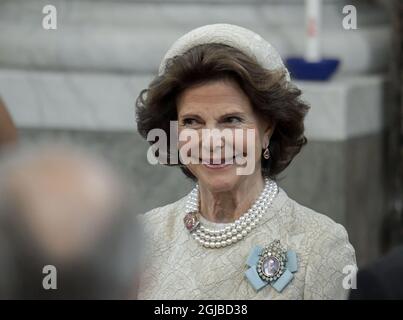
(213,142)
(215,135)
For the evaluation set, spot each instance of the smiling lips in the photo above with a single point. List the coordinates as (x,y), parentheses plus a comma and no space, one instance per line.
(218,163)
(216,166)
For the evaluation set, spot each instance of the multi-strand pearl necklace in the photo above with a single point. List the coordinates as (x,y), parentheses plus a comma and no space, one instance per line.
(237,230)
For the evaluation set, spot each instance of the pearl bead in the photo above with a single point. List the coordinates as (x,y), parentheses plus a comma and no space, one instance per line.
(237,230)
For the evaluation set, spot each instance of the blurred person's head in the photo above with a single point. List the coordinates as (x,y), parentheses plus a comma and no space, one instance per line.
(8,131)
(63,207)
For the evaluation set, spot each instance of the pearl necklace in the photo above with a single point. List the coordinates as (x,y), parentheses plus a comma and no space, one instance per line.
(237,230)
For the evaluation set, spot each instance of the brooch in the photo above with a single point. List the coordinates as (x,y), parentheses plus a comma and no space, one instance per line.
(271,265)
(191,221)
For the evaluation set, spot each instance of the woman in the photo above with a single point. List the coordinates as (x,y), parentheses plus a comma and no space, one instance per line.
(236,235)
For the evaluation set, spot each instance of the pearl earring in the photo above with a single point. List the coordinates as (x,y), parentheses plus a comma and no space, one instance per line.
(266,153)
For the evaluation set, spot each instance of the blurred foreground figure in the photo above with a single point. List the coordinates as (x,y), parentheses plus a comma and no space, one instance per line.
(8,131)
(381,280)
(64,209)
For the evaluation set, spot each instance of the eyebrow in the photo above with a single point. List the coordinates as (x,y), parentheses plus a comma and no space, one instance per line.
(226,115)
(190,115)
(233,114)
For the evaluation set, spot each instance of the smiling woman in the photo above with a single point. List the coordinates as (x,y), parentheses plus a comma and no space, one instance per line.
(210,243)
(206,67)
(213,106)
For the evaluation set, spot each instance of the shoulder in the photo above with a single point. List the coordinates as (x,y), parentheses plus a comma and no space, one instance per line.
(303,220)
(324,247)
(162,211)
(163,219)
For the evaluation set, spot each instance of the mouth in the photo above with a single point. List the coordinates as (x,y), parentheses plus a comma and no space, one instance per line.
(216,166)
(217,163)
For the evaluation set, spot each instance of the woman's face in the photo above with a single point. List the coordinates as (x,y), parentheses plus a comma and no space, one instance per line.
(224,109)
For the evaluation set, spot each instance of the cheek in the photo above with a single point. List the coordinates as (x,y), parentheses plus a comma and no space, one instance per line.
(251,142)
(189,147)
(189,144)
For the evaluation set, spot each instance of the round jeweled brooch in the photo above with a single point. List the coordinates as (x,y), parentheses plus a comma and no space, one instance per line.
(272,262)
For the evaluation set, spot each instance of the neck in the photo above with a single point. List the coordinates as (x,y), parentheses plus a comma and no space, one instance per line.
(225,207)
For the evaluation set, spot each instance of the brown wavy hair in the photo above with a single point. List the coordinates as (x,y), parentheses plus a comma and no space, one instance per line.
(271,97)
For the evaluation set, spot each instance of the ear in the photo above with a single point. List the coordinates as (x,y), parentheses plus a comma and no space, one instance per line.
(268,132)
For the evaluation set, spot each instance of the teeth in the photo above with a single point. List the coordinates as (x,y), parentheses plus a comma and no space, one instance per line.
(216,165)
(217,162)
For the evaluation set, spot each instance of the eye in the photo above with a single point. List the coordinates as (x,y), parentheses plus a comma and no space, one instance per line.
(189,121)
(233,120)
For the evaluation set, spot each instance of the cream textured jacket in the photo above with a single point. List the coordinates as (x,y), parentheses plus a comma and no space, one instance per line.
(177,267)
